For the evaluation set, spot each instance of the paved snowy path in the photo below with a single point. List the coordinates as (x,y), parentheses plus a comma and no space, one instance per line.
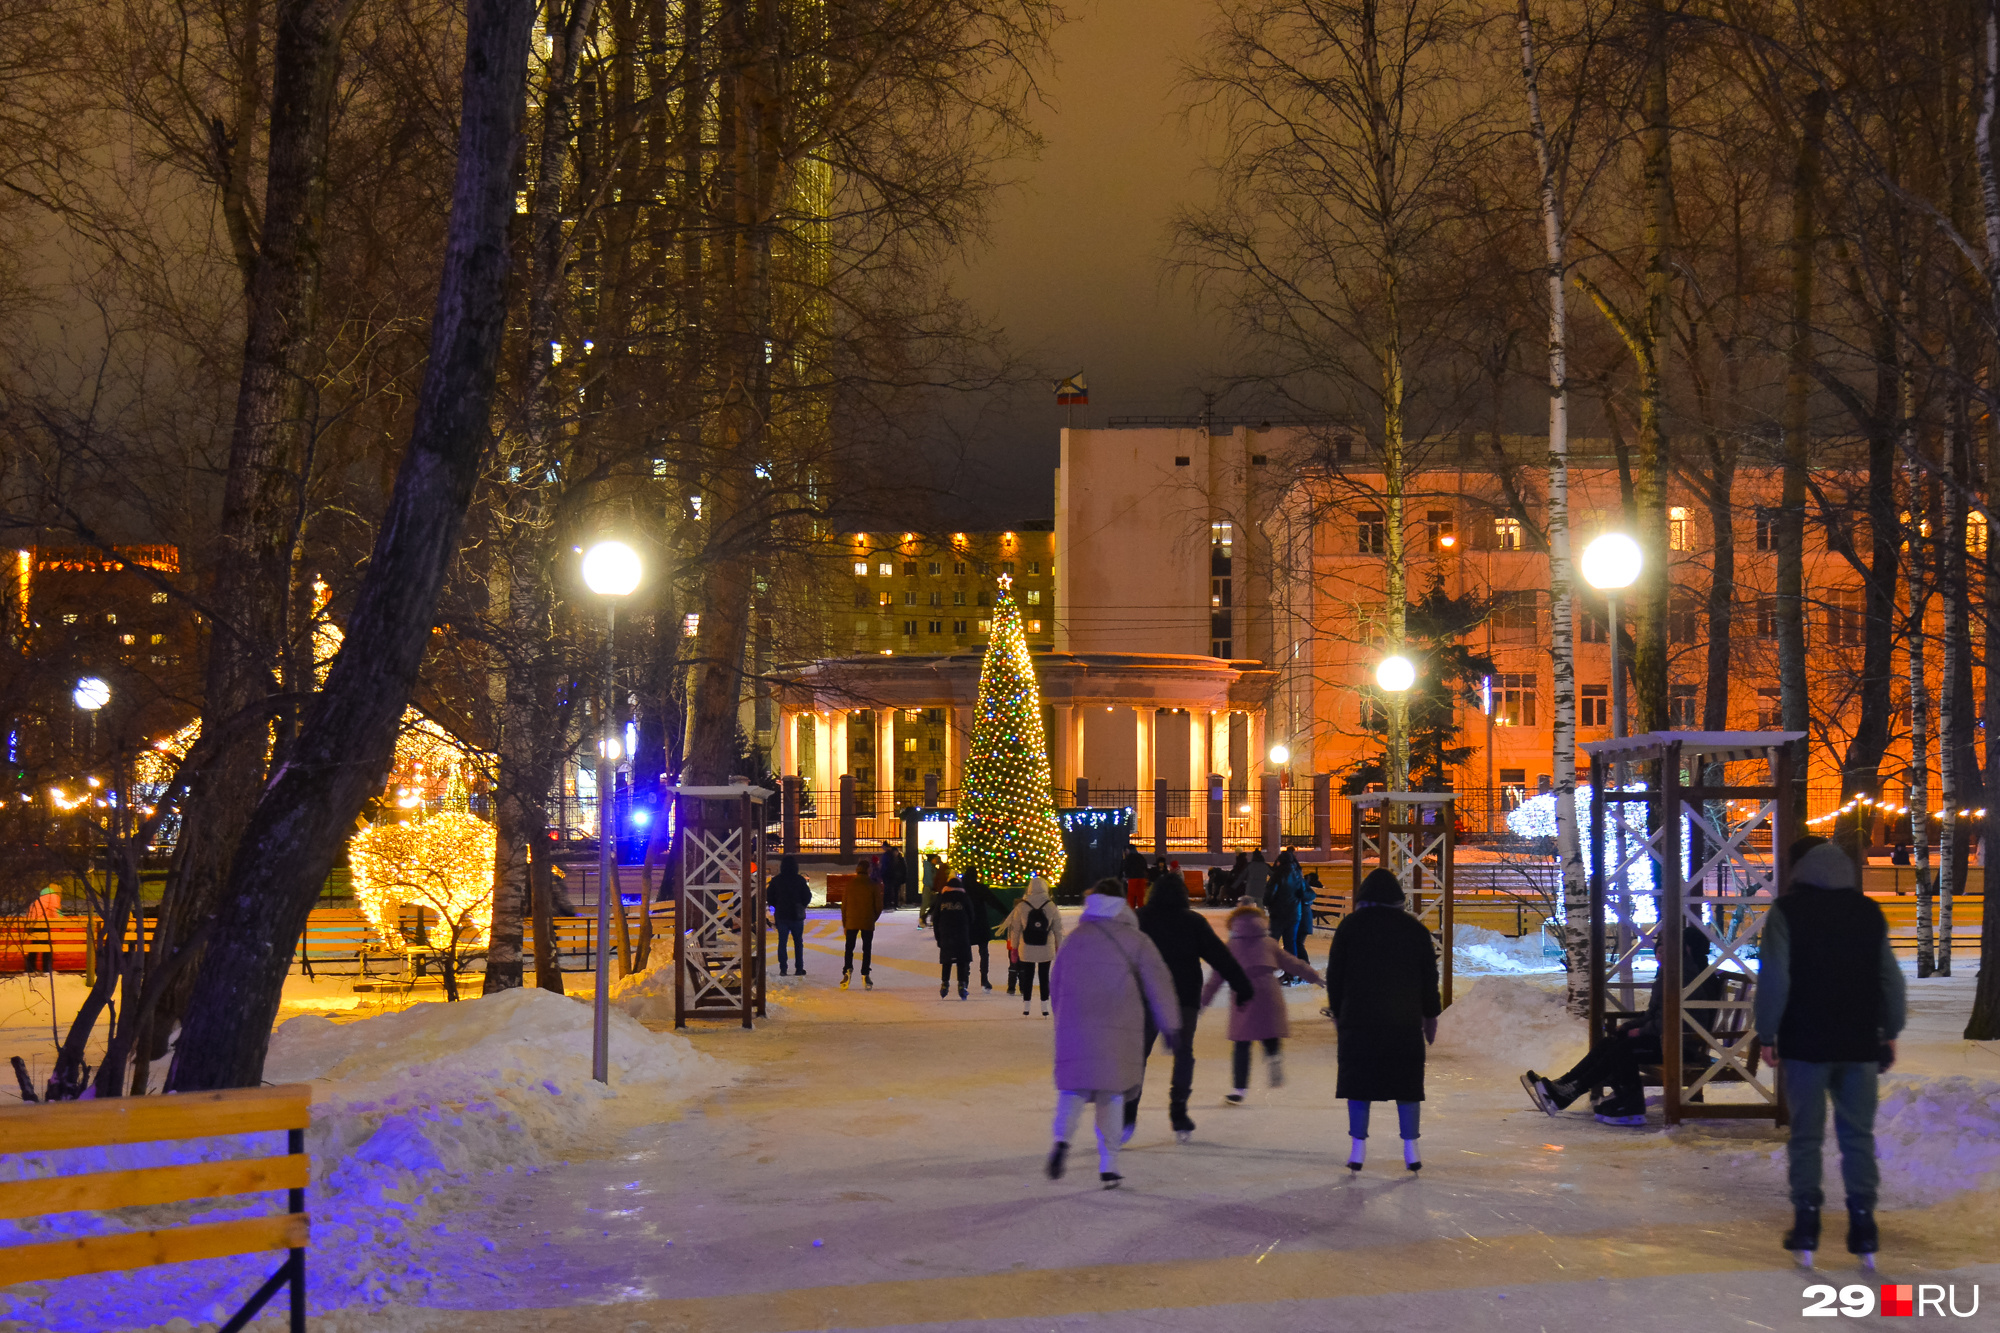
(878,1165)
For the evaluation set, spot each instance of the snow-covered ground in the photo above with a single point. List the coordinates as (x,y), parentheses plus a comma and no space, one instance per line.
(871,1158)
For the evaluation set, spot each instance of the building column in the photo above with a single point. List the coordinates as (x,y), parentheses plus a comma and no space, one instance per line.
(838,759)
(1218,744)
(788,742)
(886,759)
(1062,762)
(821,777)
(1254,760)
(1145,747)
(1077,758)
(1198,755)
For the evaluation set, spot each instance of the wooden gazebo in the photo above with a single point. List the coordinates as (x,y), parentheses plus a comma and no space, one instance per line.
(1689,864)
(1411,835)
(719,902)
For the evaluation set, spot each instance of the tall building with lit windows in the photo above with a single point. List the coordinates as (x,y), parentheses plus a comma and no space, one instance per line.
(918,592)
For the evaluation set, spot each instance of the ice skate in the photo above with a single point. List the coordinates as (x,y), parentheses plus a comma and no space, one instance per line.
(964,994)
(1024,1008)
(1276,1066)
(1863,1237)
(1125,1136)
(1410,1159)
(1357,1156)
(1235,1098)
(1803,1238)
(867,982)
(1045,1011)
(1183,1127)
(1538,1092)
(1111,1180)
(944,991)
(1625,1110)
(1058,1157)
(845,977)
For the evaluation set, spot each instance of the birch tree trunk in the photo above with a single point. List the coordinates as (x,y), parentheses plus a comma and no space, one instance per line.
(1920,752)
(1569,851)
(1984,1022)
(348,737)
(1649,598)
(1791,607)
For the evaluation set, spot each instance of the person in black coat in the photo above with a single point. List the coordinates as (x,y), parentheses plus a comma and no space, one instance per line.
(1283,901)
(987,912)
(951,927)
(894,875)
(790,895)
(1186,940)
(1382,990)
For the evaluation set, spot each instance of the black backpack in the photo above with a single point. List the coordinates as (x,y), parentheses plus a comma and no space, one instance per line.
(1035,930)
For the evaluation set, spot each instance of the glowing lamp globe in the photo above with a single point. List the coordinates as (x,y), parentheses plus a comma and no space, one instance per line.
(1612,562)
(611,569)
(1395,674)
(1280,754)
(91,694)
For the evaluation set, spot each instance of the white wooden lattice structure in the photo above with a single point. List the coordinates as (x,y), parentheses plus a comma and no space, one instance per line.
(1412,835)
(719,938)
(1721,879)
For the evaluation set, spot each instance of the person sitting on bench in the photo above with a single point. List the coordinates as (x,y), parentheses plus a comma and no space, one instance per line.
(1614,1061)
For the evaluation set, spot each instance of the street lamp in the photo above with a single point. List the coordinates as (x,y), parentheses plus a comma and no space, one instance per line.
(1395,675)
(1611,564)
(1280,756)
(611,570)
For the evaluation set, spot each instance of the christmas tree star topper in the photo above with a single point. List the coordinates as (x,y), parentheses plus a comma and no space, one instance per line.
(1006,580)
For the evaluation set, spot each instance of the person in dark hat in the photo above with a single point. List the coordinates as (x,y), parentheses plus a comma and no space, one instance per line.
(1382,990)
(1830,1004)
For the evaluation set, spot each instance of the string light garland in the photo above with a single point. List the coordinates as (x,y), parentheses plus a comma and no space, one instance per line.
(444,863)
(1006,828)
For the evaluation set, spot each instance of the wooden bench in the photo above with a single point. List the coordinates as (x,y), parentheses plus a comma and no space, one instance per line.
(110,1121)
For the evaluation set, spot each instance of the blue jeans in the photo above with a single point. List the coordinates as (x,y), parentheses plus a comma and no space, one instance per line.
(1407,1116)
(796,931)
(1851,1085)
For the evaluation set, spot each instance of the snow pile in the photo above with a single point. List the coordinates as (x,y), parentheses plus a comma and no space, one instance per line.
(1514,1020)
(1935,1137)
(407,1106)
(648,996)
(1477,951)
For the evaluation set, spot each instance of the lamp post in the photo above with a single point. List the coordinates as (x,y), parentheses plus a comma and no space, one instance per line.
(610,570)
(1611,564)
(1395,675)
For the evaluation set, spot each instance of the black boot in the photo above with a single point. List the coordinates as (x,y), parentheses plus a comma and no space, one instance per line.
(1862,1235)
(1177,1116)
(1804,1235)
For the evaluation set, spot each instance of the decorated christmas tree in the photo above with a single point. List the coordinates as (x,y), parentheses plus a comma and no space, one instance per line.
(1006,827)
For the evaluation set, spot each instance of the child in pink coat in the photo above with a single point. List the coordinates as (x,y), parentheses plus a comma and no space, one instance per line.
(1262,1017)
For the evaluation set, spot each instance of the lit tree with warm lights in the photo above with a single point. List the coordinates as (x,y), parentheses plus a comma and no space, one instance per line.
(1006,828)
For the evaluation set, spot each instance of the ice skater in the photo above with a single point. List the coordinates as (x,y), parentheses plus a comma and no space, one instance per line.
(790,896)
(1034,933)
(1107,978)
(1382,990)
(1185,940)
(1262,1018)
(951,929)
(1830,1005)
(860,908)
(987,912)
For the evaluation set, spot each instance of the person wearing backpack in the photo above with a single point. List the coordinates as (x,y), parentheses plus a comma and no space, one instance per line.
(1034,930)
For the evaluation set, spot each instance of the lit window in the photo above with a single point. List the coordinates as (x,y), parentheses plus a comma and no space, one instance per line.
(886,568)
(111,619)
(69,620)
(909,743)
(1680,529)
(1441,530)
(1372,537)
(884,600)
(985,627)
(861,568)
(1034,597)
(1975,534)
(1594,706)
(158,638)
(128,638)
(1034,627)
(1506,533)
(159,599)
(691,624)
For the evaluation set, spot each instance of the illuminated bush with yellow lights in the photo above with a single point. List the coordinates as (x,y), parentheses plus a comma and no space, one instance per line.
(1006,827)
(444,863)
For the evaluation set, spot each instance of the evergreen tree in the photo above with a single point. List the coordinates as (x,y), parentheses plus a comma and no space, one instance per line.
(1448,675)
(1006,828)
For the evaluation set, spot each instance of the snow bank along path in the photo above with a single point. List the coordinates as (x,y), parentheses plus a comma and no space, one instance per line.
(406,1106)
(1934,1137)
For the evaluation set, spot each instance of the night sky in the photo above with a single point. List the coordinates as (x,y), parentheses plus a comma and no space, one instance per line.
(1074,273)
